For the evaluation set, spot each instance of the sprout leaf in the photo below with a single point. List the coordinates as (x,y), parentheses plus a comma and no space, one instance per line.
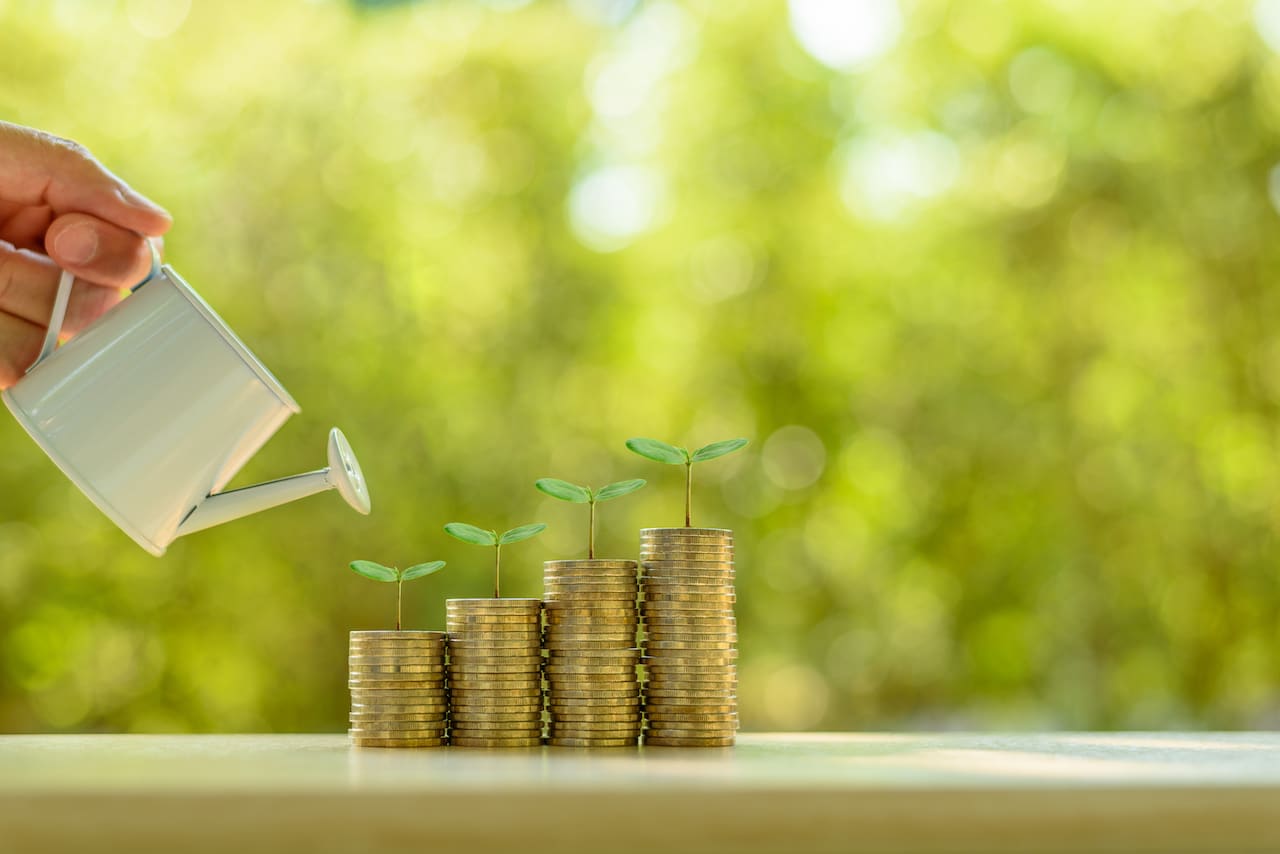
(376,571)
(421,569)
(471,534)
(524,532)
(563,490)
(659,452)
(619,489)
(718,449)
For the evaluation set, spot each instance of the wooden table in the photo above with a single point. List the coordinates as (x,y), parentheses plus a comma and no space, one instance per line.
(1133,792)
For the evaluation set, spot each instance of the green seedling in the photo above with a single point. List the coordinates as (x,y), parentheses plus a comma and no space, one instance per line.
(566,491)
(481,537)
(378,572)
(661,452)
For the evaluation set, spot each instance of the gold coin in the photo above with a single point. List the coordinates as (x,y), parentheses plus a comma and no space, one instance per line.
(704,726)
(695,608)
(691,684)
(564,643)
(486,655)
(478,692)
(506,633)
(606,729)
(512,638)
(408,635)
(592,683)
(365,675)
(406,655)
(559,704)
(589,669)
(614,598)
(619,643)
(493,604)
(699,695)
(398,705)
(423,716)
(489,622)
(473,741)
(506,729)
(708,679)
(628,635)
(592,742)
(499,715)
(700,586)
(631,653)
(668,658)
(402,743)
(677,731)
(676,632)
(658,716)
(686,531)
(680,645)
(395,694)
(631,731)
(400,735)
(695,707)
(559,610)
(651,597)
(573,695)
(464,706)
(393,644)
(620,717)
(392,729)
(680,566)
(397,686)
(588,564)
(360,660)
(652,741)
(629,617)
(563,583)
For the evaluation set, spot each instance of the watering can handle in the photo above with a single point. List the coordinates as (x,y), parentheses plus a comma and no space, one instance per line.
(63,297)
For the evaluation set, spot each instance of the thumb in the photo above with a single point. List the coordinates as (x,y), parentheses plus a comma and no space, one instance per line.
(37,168)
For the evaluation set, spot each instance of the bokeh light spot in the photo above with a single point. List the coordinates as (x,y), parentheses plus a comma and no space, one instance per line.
(1266,16)
(1041,81)
(846,34)
(794,457)
(610,207)
(157,19)
(886,176)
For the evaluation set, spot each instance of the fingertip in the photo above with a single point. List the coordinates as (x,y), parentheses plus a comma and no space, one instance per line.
(152,220)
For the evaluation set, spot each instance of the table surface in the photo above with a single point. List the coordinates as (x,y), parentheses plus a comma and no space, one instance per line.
(773,792)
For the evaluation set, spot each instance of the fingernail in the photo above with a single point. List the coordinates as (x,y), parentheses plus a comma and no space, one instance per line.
(77,244)
(137,200)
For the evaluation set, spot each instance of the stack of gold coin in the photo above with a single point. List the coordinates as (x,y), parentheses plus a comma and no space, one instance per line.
(691,637)
(495,672)
(397,682)
(593,692)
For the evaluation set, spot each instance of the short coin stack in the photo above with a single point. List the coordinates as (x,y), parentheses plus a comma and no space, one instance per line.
(593,691)
(397,689)
(691,637)
(495,672)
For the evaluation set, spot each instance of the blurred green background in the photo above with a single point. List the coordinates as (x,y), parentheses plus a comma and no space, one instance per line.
(989,284)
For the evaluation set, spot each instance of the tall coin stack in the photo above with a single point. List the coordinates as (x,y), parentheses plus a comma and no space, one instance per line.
(397,689)
(691,637)
(495,672)
(593,692)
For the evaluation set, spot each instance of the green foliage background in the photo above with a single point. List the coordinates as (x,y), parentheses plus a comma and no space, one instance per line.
(1014,457)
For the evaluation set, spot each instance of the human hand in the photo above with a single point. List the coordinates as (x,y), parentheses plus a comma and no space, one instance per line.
(61,209)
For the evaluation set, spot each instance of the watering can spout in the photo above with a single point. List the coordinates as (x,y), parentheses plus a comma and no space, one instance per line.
(343,474)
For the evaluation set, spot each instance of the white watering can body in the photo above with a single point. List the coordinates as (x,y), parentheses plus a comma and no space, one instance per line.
(154,407)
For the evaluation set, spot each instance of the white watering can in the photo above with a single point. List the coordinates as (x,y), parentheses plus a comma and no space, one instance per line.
(155,406)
